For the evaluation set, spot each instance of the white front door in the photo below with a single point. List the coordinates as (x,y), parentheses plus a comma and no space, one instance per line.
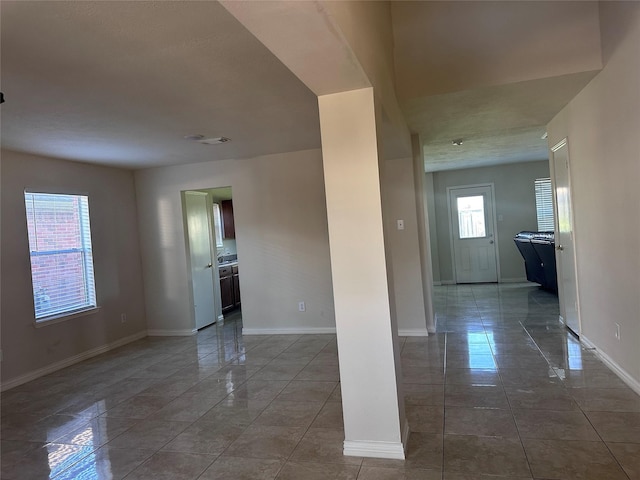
(565,252)
(200,254)
(472,221)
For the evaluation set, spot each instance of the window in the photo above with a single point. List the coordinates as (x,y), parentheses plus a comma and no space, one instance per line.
(544,204)
(471,217)
(61,255)
(217,224)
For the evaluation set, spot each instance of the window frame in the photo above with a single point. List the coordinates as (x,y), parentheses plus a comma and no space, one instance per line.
(218,224)
(466,224)
(90,305)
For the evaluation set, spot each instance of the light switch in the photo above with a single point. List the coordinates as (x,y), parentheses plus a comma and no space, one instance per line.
(400,224)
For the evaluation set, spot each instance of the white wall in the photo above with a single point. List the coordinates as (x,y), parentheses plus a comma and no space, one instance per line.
(27,350)
(281,238)
(433,228)
(461,45)
(400,204)
(602,125)
(515,201)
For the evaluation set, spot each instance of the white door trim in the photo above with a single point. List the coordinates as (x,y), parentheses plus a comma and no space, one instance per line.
(196,193)
(494,226)
(552,171)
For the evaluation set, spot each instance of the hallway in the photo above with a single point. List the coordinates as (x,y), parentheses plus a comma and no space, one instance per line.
(501,392)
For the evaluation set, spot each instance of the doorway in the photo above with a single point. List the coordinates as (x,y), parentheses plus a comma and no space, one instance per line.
(472,227)
(212,254)
(226,250)
(565,250)
(200,254)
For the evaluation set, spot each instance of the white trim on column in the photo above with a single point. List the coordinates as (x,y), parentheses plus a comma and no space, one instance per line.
(364,448)
(393,450)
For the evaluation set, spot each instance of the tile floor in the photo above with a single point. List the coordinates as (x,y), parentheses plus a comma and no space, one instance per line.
(501,392)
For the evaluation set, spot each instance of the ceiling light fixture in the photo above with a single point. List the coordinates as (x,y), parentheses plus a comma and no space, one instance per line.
(457,142)
(194,137)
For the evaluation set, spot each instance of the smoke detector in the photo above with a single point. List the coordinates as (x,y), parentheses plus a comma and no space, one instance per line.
(457,142)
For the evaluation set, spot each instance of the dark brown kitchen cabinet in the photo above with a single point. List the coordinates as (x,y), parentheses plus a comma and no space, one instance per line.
(226,289)
(236,287)
(229,287)
(229,228)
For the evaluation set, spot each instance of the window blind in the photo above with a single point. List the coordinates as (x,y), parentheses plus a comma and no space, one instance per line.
(544,204)
(61,255)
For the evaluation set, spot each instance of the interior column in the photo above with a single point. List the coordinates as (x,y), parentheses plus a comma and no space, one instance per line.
(372,399)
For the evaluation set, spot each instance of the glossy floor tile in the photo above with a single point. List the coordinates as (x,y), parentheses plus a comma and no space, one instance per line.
(502,391)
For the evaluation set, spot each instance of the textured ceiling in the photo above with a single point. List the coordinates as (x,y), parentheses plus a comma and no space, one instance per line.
(122,83)
(497,124)
(491,73)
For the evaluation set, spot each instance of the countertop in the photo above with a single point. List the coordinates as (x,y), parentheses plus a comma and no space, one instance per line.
(227,264)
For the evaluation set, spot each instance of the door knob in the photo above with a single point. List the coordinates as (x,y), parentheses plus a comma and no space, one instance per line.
(209,266)
(490,241)
(560,248)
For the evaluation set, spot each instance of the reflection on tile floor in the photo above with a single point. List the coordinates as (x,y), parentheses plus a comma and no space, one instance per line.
(502,391)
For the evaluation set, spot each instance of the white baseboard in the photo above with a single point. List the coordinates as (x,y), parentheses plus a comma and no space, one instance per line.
(447,282)
(405,434)
(609,362)
(587,343)
(413,332)
(171,333)
(67,362)
(514,280)
(437,283)
(288,331)
(364,448)
(394,450)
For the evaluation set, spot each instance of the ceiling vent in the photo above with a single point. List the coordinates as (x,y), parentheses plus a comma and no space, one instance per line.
(194,137)
(215,140)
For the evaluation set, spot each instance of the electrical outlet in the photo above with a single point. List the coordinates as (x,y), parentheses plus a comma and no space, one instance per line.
(302,307)
(618,331)
(123,318)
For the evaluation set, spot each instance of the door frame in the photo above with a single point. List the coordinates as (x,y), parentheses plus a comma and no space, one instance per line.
(494,226)
(212,243)
(552,173)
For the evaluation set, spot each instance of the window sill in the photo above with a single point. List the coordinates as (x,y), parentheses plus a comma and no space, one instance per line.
(64,317)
